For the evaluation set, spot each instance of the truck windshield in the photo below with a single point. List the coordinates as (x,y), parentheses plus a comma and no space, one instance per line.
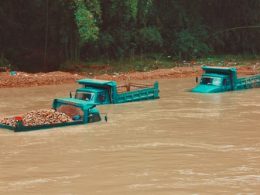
(83,96)
(211,81)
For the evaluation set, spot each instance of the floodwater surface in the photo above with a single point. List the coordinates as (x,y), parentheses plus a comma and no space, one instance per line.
(183,143)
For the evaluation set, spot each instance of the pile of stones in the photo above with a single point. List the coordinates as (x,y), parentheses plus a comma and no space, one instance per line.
(39,117)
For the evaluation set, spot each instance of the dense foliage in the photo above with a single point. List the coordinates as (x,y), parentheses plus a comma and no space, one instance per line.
(42,34)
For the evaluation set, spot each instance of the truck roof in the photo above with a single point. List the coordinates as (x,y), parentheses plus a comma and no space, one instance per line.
(90,89)
(96,82)
(214,75)
(76,102)
(219,70)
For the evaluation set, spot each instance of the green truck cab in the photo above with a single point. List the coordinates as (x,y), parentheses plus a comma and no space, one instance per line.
(108,92)
(221,79)
(78,110)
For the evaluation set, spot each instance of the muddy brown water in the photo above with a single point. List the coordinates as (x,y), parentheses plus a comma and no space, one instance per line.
(183,143)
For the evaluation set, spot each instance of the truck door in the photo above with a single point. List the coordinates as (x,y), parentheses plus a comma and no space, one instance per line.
(226,84)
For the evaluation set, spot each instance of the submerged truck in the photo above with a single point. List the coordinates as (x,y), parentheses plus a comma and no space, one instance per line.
(108,92)
(82,107)
(221,79)
(80,112)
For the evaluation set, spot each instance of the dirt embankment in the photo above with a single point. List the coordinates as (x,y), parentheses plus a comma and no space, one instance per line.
(22,79)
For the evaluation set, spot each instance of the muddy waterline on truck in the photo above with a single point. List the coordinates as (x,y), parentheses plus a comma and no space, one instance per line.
(184,143)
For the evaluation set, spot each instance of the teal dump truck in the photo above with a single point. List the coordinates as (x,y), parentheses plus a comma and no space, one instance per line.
(221,79)
(80,111)
(108,92)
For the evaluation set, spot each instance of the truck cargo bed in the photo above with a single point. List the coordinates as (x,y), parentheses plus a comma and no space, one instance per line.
(22,128)
(138,93)
(248,82)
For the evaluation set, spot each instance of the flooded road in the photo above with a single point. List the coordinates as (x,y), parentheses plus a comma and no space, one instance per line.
(183,143)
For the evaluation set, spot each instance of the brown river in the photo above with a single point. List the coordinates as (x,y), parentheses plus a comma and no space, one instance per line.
(183,143)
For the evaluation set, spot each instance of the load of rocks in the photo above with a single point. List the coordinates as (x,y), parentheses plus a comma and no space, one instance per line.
(39,117)
(8,121)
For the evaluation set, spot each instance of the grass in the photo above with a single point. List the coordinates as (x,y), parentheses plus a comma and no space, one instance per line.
(229,60)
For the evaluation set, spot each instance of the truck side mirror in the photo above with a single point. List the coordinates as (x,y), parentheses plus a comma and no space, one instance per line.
(197,79)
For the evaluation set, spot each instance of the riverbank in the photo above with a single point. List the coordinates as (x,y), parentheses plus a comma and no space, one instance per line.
(22,79)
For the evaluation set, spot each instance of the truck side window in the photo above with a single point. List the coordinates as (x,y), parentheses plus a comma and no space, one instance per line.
(101,97)
(83,96)
(206,80)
